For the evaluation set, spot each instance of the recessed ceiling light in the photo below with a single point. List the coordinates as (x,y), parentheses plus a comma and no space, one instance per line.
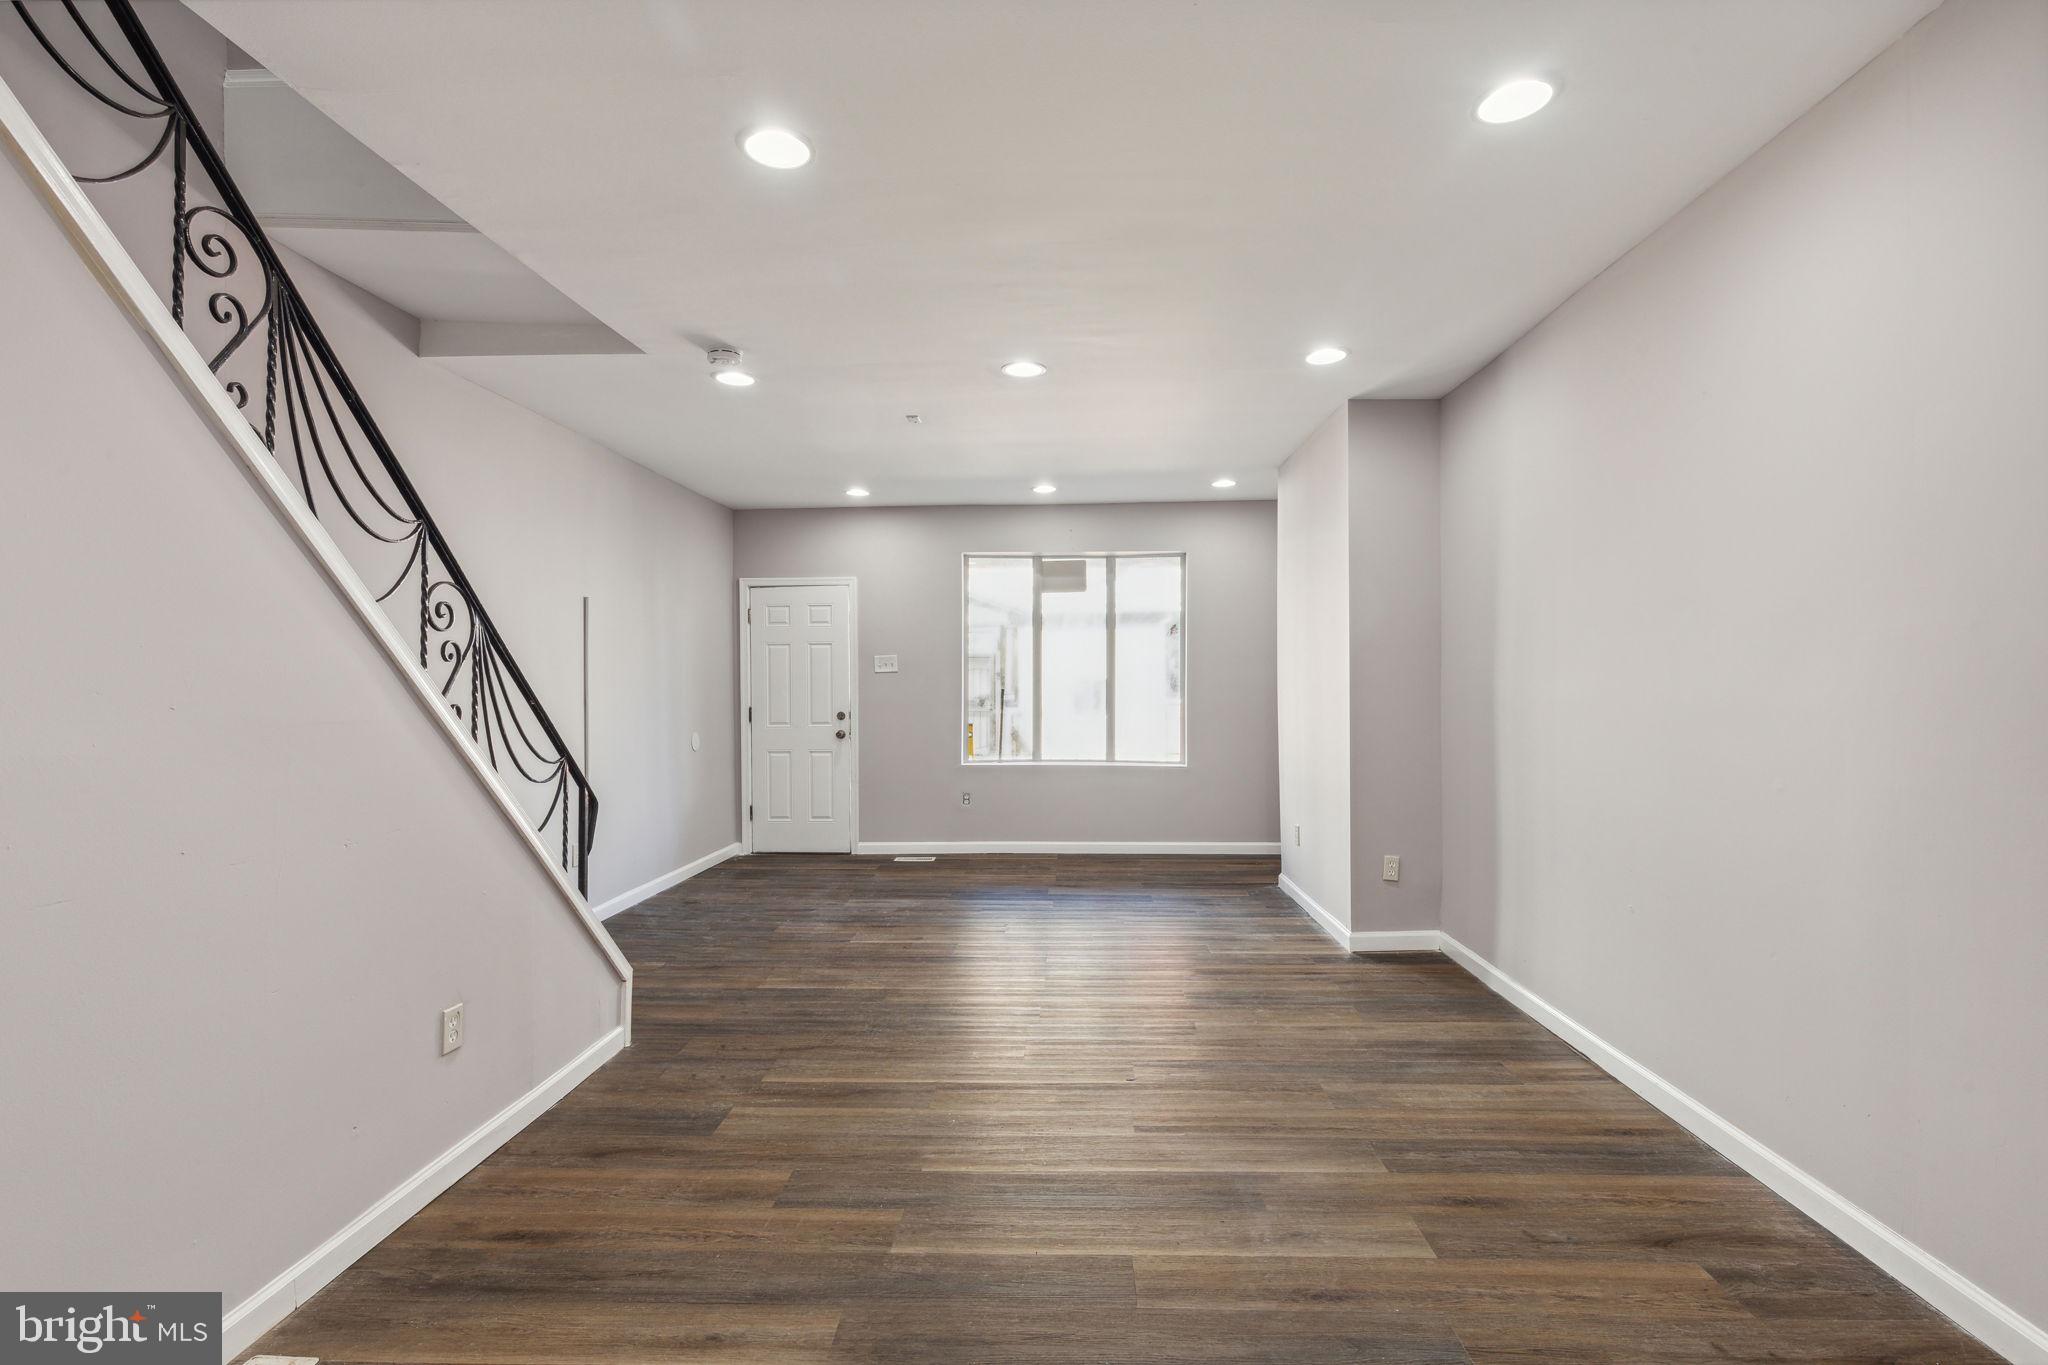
(1023,369)
(1515,100)
(738,379)
(1044,488)
(1223,483)
(856,492)
(776,147)
(1326,355)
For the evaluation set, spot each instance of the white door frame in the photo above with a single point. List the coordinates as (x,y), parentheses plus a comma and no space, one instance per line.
(746,729)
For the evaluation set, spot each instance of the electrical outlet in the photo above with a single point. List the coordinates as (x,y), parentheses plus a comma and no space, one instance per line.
(1390,868)
(451,1028)
(966,798)
(1297,836)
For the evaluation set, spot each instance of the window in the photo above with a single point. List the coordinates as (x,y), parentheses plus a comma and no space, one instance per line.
(1075,659)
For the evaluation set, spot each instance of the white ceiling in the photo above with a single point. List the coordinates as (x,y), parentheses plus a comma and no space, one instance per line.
(1165,201)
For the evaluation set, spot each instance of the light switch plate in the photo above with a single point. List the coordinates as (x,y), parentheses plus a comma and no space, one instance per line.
(885,663)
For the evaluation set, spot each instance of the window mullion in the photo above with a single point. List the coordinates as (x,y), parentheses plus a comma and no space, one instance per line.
(1109,655)
(1037,656)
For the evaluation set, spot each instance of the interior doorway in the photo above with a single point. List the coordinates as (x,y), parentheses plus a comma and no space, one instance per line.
(798,714)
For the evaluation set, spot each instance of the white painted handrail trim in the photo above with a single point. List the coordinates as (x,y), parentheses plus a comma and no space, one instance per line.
(125,283)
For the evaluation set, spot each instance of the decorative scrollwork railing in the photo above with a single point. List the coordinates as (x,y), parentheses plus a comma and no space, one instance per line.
(313,421)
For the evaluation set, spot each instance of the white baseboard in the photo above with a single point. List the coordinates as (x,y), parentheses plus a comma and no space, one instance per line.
(1322,918)
(1395,941)
(626,900)
(1366,941)
(1036,847)
(267,1307)
(1966,1303)
(1963,1301)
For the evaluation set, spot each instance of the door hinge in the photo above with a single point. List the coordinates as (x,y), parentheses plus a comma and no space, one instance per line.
(750,715)
(750,616)
(750,812)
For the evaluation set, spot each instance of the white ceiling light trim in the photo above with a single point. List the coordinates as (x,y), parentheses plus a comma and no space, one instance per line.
(1515,100)
(777,148)
(1326,355)
(1023,369)
(725,367)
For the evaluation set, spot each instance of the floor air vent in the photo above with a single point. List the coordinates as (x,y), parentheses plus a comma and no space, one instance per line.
(916,858)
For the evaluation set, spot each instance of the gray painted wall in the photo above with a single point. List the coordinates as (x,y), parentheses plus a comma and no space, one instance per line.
(228,815)
(242,870)
(542,518)
(911,775)
(1746,747)
(1396,763)
(1359,758)
(1314,609)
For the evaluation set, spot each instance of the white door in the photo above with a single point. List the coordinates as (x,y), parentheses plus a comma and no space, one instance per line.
(800,726)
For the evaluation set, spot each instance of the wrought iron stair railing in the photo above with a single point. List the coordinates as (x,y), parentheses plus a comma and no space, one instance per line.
(258,335)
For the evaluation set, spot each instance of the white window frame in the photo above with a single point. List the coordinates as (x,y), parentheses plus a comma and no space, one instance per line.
(1038,660)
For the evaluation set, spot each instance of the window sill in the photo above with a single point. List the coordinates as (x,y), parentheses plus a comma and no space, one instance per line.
(1067,763)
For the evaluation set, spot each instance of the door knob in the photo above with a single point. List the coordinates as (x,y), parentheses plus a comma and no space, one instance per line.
(842,715)
(840,734)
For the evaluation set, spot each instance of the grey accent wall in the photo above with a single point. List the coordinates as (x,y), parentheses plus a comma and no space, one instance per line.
(1745,737)
(908,561)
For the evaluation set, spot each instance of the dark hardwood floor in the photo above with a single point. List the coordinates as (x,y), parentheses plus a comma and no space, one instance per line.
(1090,1109)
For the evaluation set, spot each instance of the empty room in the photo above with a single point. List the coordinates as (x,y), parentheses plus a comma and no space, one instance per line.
(954,682)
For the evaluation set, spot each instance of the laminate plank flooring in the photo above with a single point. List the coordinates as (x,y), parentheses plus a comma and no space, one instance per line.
(1066,1109)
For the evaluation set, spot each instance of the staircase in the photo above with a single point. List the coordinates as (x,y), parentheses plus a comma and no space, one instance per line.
(277,380)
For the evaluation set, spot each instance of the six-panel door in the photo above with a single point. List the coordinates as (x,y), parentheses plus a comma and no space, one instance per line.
(800,684)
